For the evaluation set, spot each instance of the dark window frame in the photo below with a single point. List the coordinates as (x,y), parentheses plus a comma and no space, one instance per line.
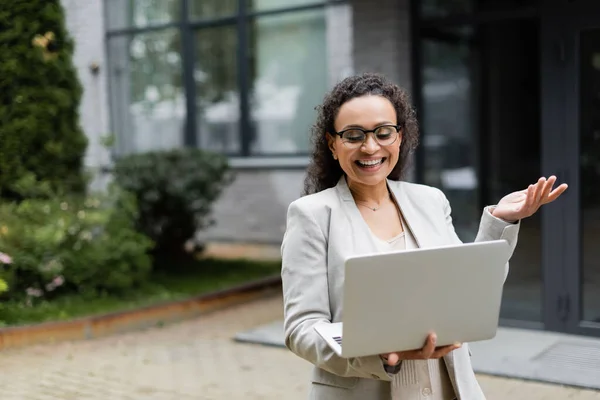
(187,26)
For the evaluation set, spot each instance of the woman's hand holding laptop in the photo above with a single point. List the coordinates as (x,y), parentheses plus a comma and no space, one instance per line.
(513,207)
(429,350)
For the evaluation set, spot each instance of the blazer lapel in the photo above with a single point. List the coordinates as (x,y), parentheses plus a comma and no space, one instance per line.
(360,234)
(410,212)
(411,215)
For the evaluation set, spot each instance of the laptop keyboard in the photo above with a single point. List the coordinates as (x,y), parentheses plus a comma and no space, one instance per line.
(338,339)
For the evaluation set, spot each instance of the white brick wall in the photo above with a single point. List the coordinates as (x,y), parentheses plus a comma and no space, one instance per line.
(254,207)
(85,22)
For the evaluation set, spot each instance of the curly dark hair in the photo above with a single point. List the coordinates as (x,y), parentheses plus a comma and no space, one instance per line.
(323,171)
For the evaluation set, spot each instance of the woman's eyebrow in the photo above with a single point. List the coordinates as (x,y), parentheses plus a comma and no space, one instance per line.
(362,127)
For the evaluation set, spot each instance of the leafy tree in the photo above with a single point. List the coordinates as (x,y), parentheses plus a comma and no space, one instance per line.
(39,99)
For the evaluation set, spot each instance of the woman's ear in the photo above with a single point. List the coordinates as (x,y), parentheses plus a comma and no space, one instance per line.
(331,144)
(400,137)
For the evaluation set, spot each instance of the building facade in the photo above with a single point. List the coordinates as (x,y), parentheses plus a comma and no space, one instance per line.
(506,91)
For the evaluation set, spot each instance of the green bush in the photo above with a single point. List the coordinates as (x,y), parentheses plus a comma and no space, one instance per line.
(39,99)
(79,244)
(5,259)
(175,191)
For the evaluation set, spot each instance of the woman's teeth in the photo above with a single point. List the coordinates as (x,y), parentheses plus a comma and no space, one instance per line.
(370,163)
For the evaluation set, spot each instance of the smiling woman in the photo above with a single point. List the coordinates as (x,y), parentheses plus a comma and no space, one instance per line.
(368,143)
(356,204)
(392,106)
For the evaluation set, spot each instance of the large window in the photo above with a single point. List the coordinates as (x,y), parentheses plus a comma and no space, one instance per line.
(288,78)
(217,89)
(147,98)
(241,77)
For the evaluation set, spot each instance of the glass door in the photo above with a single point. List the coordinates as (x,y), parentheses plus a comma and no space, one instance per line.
(480,97)
(589,174)
(580,51)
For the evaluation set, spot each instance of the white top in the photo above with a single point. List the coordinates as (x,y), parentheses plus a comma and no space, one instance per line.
(417,379)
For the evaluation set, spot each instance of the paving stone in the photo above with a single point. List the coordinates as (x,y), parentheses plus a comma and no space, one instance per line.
(193,360)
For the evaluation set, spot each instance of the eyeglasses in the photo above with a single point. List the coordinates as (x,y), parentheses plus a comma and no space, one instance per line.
(384,135)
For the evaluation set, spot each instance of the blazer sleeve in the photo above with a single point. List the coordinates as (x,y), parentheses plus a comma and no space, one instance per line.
(306,299)
(490,228)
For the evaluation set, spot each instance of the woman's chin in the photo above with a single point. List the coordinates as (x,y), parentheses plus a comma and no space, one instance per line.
(369,179)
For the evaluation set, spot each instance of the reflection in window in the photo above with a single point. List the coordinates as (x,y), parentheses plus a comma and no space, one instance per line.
(444,8)
(510,80)
(217,94)
(261,5)
(147,97)
(450,126)
(439,8)
(289,78)
(212,8)
(589,137)
(123,14)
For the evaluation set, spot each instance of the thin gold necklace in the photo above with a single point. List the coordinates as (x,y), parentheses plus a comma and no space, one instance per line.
(372,208)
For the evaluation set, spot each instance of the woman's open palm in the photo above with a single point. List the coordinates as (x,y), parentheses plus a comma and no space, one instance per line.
(524,203)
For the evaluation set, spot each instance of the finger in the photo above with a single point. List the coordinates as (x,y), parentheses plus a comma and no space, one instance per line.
(449,349)
(529,198)
(443,350)
(533,196)
(548,187)
(410,355)
(429,346)
(456,344)
(393,359)
(556,192)
(539,188)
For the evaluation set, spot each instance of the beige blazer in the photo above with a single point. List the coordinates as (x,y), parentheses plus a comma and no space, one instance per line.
(325,228)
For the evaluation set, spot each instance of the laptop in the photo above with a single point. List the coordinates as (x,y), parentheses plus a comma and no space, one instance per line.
(393,300)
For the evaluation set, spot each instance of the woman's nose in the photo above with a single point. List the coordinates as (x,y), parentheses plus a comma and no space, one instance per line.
(370,145)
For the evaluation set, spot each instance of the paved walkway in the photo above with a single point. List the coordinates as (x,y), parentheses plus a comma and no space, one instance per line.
(192,360)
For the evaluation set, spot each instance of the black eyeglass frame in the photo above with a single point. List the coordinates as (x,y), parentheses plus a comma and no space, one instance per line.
(367,131)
